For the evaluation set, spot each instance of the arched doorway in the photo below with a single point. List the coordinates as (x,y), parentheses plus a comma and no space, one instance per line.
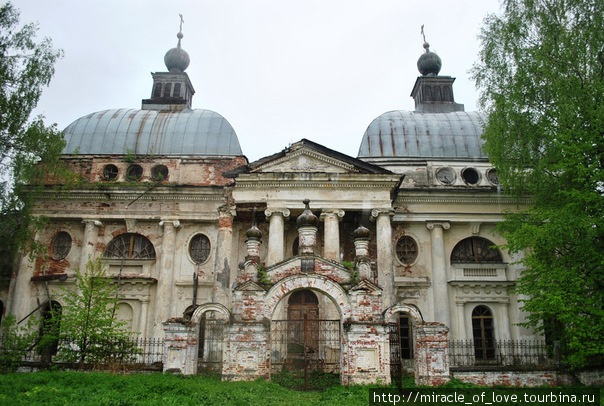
(305,341)
(401,321)
(212,319)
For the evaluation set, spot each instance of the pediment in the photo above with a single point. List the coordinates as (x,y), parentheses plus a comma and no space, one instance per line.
(366,287)
(308,157)
(306,161)
(249,286)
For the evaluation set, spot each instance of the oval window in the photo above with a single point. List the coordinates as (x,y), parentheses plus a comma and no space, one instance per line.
(61,245)
(199,248)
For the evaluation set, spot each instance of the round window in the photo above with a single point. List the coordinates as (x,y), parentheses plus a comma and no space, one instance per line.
(61,245)
(110,172)
(406,250)
(446,175)
(134,172)
(159,172)
(199,248)
(470,176)
(492,176)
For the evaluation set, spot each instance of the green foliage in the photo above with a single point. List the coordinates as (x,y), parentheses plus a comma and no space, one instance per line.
(87,319)
(29,150)
(94,388)
(263,277)
(541,75)
(16,342)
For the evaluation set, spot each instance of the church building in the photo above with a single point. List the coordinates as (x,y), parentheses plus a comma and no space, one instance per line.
(306,258)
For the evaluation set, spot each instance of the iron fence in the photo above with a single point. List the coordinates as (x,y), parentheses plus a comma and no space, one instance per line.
(502,353)
(135,353)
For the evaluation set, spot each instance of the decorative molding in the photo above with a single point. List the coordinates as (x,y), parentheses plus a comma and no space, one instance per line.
(337,213)
(130,224)
(431,225)
(306,152)
(462,200)
(475,228)
(284,212)
(96,223)
(377,212)
(175,223)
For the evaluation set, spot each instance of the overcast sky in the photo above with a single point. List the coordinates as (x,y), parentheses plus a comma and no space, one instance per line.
(277,70)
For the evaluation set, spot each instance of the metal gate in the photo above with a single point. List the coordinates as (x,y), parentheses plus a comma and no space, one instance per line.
(303,346)
(396,372)
(211,340)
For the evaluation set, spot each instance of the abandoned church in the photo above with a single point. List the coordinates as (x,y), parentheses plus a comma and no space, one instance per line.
(367,267)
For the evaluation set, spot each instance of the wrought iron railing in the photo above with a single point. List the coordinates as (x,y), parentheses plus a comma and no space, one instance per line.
(131,353)
(503,353)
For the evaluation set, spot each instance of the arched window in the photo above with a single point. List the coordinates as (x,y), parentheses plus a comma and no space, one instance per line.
(482,331)
(475,250)
(130,246)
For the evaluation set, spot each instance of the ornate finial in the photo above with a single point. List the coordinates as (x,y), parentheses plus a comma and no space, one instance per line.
(429,63)
(177,59)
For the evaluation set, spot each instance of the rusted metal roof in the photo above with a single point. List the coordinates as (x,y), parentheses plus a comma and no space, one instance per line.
(410,134)
(152,132)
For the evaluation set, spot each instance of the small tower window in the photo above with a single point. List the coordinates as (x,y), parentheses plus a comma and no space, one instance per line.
(176,90)
(157,90)
(168,90)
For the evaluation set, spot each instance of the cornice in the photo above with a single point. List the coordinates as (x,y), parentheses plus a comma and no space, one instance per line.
(129,195)
(457,199)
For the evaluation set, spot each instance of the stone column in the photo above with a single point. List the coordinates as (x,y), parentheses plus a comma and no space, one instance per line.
(461,321)
(224,246)
(165,283)
(276,231)
(440,288)
(142,322)
(384,253)
(91,235)
(332,233)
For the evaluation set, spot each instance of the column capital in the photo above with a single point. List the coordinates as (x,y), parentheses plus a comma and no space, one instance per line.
(175,223)
(93,222)
(331,213)
(431,225)
(380,212)
(283,211)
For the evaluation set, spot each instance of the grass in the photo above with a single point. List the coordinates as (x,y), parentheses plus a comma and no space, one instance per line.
(100,388)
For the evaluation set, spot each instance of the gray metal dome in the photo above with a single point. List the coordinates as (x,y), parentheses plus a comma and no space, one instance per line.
(152,132)
(409,134)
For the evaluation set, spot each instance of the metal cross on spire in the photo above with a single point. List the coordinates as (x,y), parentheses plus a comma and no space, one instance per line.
(423,35)
(182,21)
